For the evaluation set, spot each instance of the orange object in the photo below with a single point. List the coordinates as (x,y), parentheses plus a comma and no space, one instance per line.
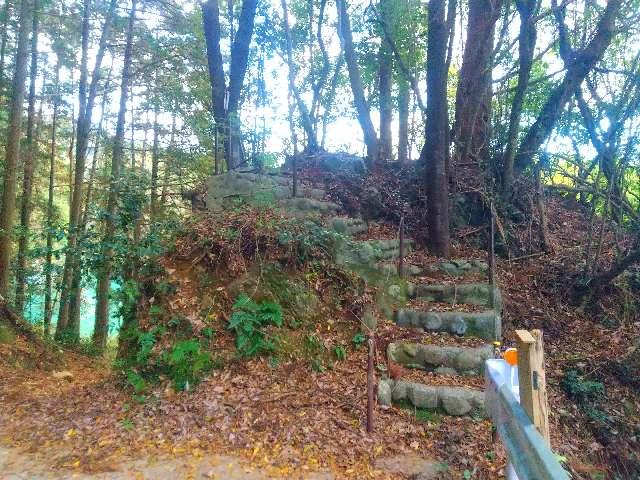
(511,356)
(395,371)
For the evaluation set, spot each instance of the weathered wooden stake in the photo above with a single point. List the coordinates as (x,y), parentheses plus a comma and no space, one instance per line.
(492,249)
(531,375)
(215,154)
(370,385)
(401,248)
(294,166)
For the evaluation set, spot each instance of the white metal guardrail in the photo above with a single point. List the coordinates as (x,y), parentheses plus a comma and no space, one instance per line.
(529,456)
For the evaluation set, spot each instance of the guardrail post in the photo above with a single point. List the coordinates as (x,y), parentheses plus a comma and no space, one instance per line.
(532,379)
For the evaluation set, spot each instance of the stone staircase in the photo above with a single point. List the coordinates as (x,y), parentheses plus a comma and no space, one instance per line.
(454,305)
(454,311)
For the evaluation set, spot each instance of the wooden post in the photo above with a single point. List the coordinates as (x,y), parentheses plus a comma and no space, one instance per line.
(492,259)
(531,376)
(215,152)
(370,384)
(294,166)
(401,248)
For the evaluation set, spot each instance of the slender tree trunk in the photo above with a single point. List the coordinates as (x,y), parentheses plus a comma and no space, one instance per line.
(305,118)
(12,149)
(237,72)
(403,122)
(527,9)
(165,173)
(48,269)
(385,80)
(583,62)
(6,13)
(72,265)
(133,130)
(28,168)
(434,152)
(101,329)
(359,98)
(330,98)
(475,74)
(155,162)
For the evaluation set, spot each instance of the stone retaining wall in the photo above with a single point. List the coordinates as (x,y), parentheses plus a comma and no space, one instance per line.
(441,359)
(456,401)
(486,325)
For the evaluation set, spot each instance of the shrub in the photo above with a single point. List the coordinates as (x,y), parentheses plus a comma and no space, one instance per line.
(340,352)
(249,320)
(187,363)
(579,389)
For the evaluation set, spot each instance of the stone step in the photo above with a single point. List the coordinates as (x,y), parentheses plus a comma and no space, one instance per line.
(482,294)
(458,267)
(347,225)
(456,401)
(442,360)
(391,268)
(301,207)
(352,253)
(486,324)
(390,249)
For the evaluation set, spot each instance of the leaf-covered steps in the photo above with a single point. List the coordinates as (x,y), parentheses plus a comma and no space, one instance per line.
(456,401)
(441,359)
(347,225)
(486,324)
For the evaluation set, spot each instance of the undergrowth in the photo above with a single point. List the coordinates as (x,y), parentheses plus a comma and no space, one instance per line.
(282,279)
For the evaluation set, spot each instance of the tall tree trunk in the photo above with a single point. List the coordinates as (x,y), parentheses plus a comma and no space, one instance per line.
(527,10)
(403,121)
(6,12)
(237,72)
(327,104)
(227,121)
(305,118)
(475,75)
(359,98)
(165,173)
(211,26)
(12,149)
(385,80)
(27,169)
(155,162)
(434,152)
(72,264)
(583,62)
(48,269)
(101,329)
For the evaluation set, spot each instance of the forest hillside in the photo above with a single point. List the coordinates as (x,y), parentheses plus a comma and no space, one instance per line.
(260,239)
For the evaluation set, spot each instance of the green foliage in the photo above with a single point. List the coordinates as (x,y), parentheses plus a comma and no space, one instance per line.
(127,424)
(316,365)
(136,381)
(421,415)
(579,389)
(249,321)
(6,334)
(359,339)
(187,363)
(340,352)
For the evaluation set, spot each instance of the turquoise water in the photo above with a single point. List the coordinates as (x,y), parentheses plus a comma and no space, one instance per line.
(34,310)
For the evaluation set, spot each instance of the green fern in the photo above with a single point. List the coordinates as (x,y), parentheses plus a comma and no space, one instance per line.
(248,321)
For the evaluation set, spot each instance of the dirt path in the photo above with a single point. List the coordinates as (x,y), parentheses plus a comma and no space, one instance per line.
(15,465)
